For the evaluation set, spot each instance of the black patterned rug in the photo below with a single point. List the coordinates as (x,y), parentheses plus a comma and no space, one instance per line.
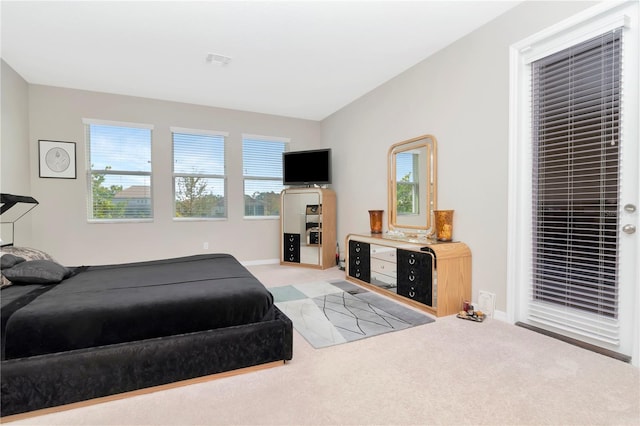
(331,313)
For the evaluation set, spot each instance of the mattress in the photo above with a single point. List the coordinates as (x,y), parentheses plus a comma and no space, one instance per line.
(110,304)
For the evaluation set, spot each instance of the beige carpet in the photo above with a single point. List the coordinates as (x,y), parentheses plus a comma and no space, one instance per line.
(448,372)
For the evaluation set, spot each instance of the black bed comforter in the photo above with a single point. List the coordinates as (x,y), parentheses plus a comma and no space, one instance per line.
(103,305)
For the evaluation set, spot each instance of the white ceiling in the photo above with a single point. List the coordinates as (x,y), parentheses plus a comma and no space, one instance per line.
(304,59)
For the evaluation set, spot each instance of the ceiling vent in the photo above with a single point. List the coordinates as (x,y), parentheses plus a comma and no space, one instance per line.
(221,59)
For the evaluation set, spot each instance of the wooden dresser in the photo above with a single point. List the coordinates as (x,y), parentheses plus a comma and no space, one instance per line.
(432,276)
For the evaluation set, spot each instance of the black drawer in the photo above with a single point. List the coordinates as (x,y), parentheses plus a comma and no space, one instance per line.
(415,276)
(360,261)
(291,248)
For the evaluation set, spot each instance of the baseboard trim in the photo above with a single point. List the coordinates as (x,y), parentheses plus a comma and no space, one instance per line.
(575,342)
(260,262)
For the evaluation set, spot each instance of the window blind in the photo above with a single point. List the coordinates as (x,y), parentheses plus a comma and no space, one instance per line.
(262,158)
(198,154)
(120,171)
(199,174)
(262,171)
(576,187)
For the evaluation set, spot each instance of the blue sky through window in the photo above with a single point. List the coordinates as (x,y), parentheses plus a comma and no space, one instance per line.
(404,166)
(121,148)
(128,149)
(198,154)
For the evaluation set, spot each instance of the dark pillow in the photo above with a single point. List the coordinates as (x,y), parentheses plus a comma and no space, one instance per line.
(27,253)
(9,261)
(37,272)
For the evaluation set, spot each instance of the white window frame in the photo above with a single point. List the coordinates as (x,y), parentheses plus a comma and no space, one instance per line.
(90,121)
(199,132)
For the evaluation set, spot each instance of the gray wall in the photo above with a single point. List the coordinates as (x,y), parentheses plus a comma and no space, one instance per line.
(461,96)
(60,224)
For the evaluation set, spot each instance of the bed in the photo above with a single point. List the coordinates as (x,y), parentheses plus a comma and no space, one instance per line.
(73,334)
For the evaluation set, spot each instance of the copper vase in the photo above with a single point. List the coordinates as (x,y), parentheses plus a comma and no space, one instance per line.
(375,219)
(443,224)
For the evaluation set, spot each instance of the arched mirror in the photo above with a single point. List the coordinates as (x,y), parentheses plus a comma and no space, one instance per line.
(412,185)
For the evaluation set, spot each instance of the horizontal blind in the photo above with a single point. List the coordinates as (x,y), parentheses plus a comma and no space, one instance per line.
(576,138)
(198,154)
(199,174)
(262,158)
(262,171)
(119,148)
(120,171)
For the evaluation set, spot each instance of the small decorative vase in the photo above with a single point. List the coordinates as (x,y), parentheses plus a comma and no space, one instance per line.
(375,219)
(444,224)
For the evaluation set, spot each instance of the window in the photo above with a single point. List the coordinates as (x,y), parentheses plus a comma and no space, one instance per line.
(262,171)
(199,179)
(119,171)
(407,183)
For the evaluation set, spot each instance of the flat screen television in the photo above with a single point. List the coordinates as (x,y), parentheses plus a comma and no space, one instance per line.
(306,167)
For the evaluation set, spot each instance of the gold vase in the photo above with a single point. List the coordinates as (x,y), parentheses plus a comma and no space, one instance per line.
(375,219)
(444,224)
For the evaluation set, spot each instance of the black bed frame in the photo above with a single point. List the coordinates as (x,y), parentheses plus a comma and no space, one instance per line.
(52,380)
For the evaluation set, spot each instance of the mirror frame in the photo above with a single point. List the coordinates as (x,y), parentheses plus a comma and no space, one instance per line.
(429,142)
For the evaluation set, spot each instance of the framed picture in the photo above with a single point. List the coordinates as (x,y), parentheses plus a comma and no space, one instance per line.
(57,159)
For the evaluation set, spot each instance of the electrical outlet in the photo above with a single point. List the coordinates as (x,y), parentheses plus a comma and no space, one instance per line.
(205,246)
(486,303)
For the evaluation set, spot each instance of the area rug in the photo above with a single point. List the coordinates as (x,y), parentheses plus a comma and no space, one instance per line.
(331,313)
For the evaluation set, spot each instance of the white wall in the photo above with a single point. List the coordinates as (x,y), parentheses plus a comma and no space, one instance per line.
(461,96)
(14,155)
(60,224)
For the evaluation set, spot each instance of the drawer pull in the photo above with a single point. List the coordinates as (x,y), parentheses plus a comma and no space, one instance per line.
(412,261)
(357,262)
(412,294)
(412,278)
(357,249)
